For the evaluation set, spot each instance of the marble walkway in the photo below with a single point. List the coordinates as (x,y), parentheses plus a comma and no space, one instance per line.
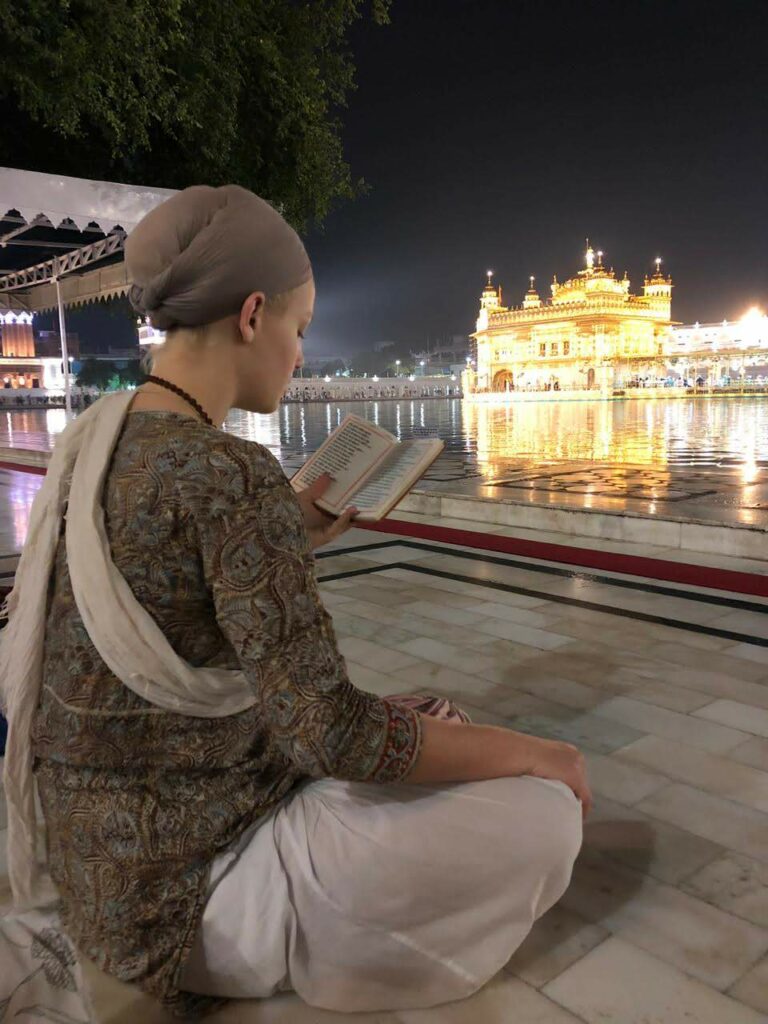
(666,919)
(735,495)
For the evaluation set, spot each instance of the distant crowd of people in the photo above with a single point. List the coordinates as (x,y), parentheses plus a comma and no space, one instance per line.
(634,383)
(22,400)
(307,394)
(10,399)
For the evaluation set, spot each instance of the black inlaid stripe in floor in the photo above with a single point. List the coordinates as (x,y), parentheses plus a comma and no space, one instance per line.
(691,627)
(625,613)
(562,571)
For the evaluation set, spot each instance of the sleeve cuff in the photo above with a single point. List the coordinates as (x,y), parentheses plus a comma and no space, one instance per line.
(402,745)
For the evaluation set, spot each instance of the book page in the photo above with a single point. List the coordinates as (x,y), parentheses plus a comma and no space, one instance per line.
(388,479)
(347,455)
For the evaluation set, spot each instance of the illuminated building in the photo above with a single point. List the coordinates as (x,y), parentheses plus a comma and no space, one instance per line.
(19,366)
(22,368)
(714,353)
(149,335)
(18,337)
(592,334)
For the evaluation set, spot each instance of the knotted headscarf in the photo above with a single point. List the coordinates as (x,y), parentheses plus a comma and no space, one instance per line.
(196,257)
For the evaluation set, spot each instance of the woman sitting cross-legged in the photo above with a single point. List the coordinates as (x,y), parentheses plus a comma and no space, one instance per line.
(226,814)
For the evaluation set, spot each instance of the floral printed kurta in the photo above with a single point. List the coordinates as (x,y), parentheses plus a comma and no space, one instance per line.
(137,800)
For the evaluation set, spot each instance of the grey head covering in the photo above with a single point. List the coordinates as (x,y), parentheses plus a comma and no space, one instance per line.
(197,256)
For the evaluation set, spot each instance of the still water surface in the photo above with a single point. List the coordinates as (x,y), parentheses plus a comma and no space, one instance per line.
(703,432)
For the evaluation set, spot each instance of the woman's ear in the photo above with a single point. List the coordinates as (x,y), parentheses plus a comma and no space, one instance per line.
(251,316)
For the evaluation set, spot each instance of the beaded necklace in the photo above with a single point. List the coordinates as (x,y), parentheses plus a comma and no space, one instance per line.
(151,379)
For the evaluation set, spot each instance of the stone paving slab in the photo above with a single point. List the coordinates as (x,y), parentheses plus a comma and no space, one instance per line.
(665,918)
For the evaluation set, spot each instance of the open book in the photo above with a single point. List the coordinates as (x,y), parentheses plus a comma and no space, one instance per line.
(371,469)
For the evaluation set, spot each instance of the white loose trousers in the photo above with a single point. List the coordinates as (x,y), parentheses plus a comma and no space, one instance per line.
(382,897)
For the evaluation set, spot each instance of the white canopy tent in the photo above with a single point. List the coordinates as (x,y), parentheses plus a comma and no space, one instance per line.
(54,231)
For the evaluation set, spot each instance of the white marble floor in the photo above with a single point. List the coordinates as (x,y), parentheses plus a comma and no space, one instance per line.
(666,919)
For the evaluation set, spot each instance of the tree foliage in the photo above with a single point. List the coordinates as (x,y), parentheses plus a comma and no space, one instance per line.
(334,366)
(107,376)
(96,373)
(181,92)
(131,374)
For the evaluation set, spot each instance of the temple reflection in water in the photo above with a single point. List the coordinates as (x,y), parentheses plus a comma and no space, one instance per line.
(675,433)
(565,431)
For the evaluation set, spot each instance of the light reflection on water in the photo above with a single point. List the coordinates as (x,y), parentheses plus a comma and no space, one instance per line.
(713,432)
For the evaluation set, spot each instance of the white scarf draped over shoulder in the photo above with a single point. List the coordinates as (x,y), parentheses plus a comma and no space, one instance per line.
(127,639)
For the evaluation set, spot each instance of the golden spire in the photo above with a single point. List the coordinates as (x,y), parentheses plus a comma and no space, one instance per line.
(590,256)
(531,298)
(490,275)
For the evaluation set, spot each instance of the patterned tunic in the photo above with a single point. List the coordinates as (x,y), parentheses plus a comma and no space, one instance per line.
(137,800)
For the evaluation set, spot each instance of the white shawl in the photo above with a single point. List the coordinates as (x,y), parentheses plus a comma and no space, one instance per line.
(125,636)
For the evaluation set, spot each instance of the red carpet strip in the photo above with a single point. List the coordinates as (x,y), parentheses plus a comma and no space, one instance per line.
(18,467)
(587,558)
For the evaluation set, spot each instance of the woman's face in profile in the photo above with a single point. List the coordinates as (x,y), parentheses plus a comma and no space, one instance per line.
(275,350)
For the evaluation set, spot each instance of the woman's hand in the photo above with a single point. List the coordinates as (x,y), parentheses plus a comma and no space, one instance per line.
(454,752)
(552,759)
(321,526)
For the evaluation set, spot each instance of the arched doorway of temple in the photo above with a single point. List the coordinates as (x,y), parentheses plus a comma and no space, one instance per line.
(590,378)
(504,381)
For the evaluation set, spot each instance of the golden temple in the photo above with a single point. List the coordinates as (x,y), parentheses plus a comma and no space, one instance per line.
(591,335)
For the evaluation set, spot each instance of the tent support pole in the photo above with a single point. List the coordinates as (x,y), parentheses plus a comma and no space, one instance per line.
(64,350)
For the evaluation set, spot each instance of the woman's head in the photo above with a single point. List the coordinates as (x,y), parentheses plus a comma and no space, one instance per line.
(267,345)
(220,265)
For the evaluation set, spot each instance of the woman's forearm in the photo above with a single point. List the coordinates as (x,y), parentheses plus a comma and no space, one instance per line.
(454,752)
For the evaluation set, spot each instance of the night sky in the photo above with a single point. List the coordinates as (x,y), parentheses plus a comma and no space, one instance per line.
(499,134)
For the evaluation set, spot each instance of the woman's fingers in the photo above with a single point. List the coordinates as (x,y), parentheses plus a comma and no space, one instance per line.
(342,523)
(310,494)
(318,487)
